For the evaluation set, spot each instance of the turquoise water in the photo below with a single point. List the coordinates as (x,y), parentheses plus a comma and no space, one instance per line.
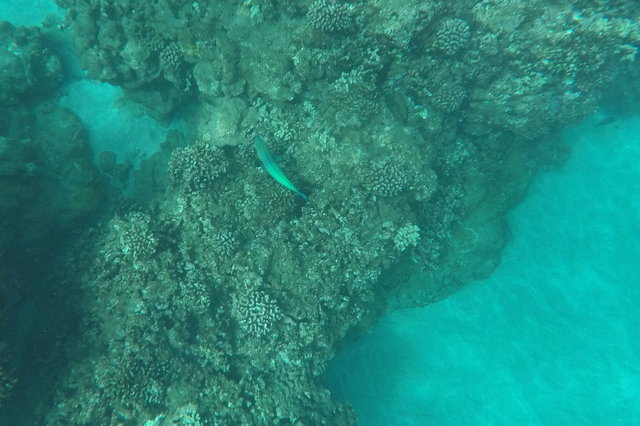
(109,127)
(31,12)
(551,338)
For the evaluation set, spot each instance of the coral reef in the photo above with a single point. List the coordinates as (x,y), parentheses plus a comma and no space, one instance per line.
(386,179)
(256,312)
(413,127)
(452,35)
(7,382)
(196,166)
(330,15)
(29,65)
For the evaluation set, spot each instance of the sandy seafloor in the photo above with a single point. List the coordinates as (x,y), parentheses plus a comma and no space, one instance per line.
(550,339)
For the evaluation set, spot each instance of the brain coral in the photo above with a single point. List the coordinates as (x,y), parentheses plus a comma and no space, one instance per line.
(330,16)
(388,179)
(449,97)
(256,312)
(452,36)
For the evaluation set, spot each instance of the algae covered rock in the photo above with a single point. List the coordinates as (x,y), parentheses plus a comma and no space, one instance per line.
(49,181)
(29,67)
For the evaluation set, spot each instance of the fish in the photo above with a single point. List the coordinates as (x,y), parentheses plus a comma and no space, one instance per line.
(272,167)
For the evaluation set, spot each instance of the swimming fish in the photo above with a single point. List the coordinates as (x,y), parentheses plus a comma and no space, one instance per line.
(270,164)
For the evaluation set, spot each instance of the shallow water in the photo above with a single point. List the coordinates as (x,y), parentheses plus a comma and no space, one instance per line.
(551,338)
(109,127)
(28,12)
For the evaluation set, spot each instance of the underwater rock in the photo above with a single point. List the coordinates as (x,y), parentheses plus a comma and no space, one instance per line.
(29,68)
(106,161)
(49,182)
(7,382)
(218,121)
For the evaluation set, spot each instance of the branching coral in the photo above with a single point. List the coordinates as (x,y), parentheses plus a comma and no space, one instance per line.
(196,167)
(256,312)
